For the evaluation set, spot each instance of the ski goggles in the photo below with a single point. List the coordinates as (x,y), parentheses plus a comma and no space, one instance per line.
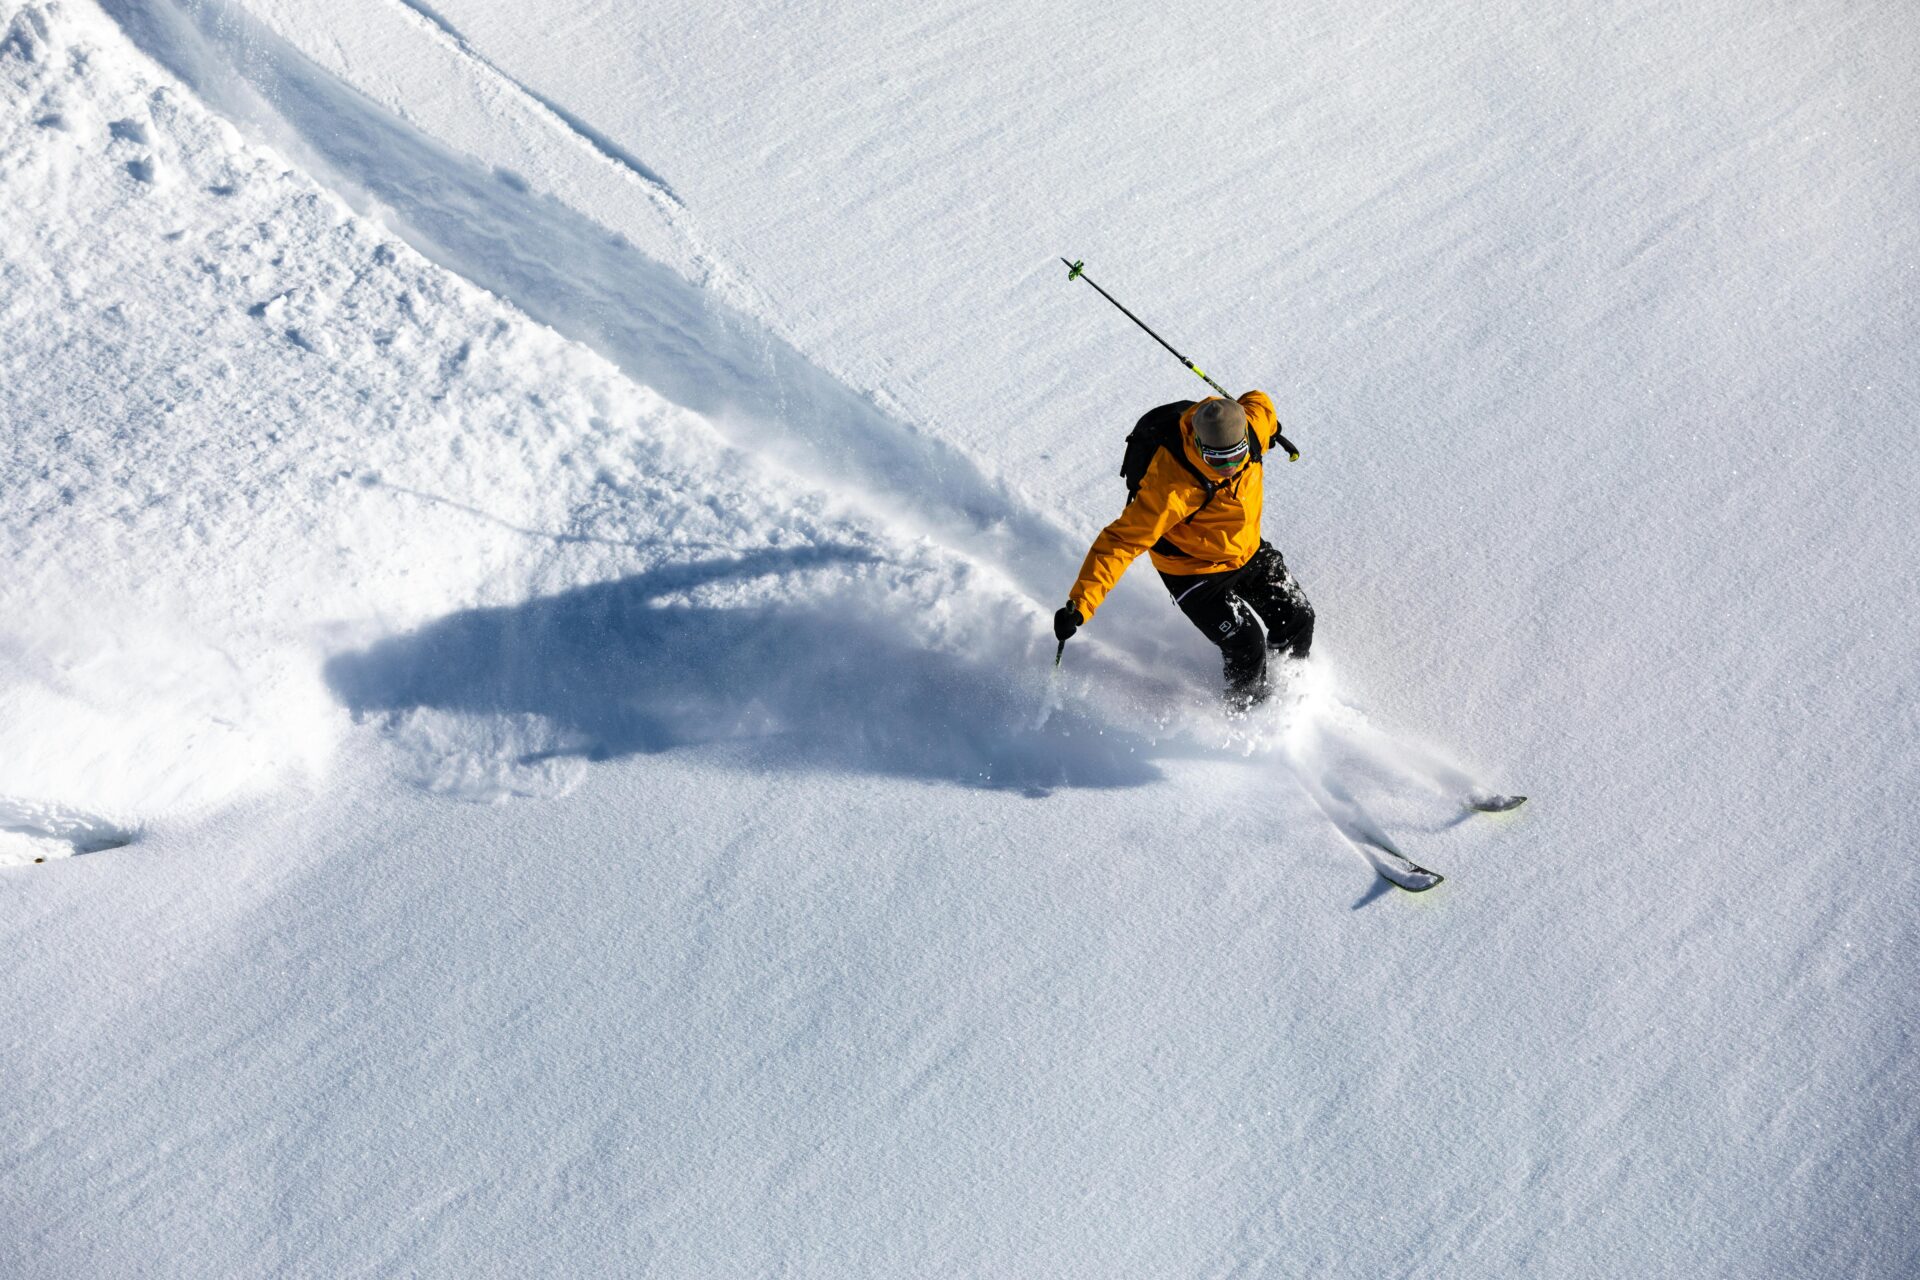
(1228,459)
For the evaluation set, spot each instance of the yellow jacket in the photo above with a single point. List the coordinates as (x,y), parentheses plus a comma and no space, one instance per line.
(1223,536)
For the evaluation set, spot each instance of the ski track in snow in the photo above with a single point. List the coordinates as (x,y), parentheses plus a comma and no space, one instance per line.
(586,133)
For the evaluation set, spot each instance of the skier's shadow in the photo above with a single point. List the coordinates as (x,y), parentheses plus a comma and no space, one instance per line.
(1378,889)
(642,665)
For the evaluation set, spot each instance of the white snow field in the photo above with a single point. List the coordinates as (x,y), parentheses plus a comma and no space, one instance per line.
(528,743)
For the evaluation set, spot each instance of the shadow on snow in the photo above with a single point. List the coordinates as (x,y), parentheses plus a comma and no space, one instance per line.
(638,665)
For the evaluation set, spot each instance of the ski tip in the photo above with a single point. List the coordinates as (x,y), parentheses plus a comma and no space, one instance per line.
(1409,876)
(1496,804)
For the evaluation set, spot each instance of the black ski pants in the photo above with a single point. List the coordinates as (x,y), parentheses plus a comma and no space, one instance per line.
(1225,605)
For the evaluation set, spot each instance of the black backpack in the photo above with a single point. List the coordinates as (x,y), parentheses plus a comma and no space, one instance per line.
(1160,429)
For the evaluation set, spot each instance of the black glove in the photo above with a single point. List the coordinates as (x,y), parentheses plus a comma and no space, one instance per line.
(1066,621)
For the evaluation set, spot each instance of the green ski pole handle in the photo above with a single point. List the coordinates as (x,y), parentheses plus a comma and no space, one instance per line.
(1078,271)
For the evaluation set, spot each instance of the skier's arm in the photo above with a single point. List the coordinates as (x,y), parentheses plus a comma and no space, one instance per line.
(1262,419)
(1160,504)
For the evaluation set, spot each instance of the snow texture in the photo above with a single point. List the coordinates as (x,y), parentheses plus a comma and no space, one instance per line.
(528,742)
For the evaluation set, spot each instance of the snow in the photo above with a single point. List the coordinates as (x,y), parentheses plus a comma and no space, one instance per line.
(529,531)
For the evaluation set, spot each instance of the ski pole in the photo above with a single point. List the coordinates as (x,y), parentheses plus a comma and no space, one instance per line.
(1077,271)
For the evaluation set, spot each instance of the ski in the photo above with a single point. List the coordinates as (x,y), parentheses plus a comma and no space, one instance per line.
(1398,869)
(1402,871)
(1494,804)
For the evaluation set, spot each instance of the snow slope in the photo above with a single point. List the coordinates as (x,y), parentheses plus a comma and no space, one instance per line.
(673,426)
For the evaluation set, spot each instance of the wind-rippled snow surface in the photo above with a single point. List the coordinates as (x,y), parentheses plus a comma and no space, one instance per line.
(670,430)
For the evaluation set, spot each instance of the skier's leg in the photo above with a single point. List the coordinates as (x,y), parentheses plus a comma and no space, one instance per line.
(1243,653)
(1267,585)
(1211,604)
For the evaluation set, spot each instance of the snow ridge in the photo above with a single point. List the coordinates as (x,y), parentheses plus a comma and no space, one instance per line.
(671,334)
(606,146)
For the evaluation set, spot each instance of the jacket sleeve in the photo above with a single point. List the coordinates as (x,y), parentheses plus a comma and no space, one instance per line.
(1261,417)
(1161,503)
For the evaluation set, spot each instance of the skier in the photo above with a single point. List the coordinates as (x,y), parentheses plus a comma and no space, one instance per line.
(1194,487)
